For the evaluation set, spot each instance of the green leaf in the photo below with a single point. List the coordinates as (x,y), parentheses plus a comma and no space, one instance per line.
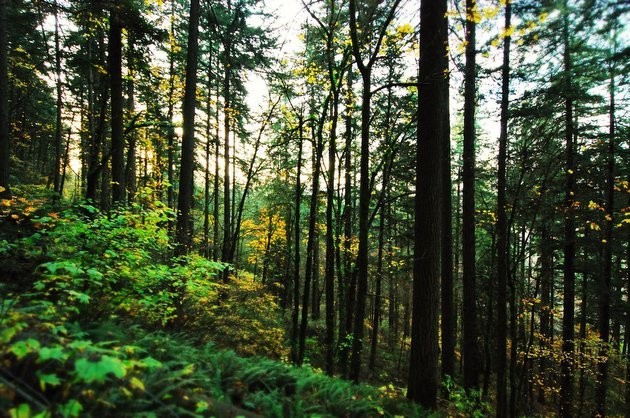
(22,411)
(201,407)
(96,371)
(48,379)
(7,334)
(81,297)
(72,408)
(24,347)
(151,363)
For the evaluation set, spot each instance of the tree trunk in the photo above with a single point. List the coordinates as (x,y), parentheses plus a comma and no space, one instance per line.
(568,333)
(170,191)
(206,205)
(546,284)
(184,229)
(329,279)
(5,191)
(377,292)
(59,106)
(605,283)
(227,116)
(312,223)
(130,169)
(470,350)
(215,186)
(115,79)
(296,261)
(432,132)
(348,279)
(502,255)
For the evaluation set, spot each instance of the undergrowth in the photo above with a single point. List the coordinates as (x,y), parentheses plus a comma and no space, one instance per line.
(97,318)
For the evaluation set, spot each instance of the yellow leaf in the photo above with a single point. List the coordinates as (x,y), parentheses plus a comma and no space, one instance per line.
(6,202)
(136,383)
(14,216)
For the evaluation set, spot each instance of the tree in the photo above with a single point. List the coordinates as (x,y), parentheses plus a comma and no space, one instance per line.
(115,79)
(5,191)
(469,314)
(568,332)
(372,41)
(502,230)
(184,203)
(432,132)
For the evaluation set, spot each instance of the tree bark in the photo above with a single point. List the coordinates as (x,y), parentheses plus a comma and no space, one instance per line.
(606,278)
(568,333)
(59,106)
(311,265)
(5,191)
(296,258)
(432,132)
(115,79)
(470,350)
(184,229)
(130,168)
(502,232)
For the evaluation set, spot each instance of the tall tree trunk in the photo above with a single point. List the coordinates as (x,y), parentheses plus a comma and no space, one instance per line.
(312,223)
(5,191)
(446,269)
(605,283)
(502,255)
(377,292)
(627,337)
(115,79)
(170,191)
(432,132)
(329,279)
(59,106)
(206,205)
(470,350)
(187,167)
(546,279)
(583,323)
(130,169)
(568,333)
(364,183)
(349,278)
(215,186)
(364,212)
(227,116)
(296,258)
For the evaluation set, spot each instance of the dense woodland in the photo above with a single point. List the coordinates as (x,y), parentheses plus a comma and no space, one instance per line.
(395,207)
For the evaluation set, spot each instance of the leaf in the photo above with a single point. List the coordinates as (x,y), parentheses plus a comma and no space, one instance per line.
(7,334)
(72,408)
(23,347)
(151,363)
(136,383)
(52,353)
(48,379)
(96,371)
(22,411)
(202,406)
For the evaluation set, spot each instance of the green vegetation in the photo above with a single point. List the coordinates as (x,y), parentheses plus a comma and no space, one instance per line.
(97,319)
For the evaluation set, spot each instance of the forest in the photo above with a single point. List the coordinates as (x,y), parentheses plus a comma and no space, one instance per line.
(287,208)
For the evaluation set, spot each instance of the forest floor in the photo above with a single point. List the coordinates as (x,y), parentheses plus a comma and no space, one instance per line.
(95,320)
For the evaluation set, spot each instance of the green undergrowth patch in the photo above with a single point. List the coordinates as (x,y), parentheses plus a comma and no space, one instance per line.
(97,318)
